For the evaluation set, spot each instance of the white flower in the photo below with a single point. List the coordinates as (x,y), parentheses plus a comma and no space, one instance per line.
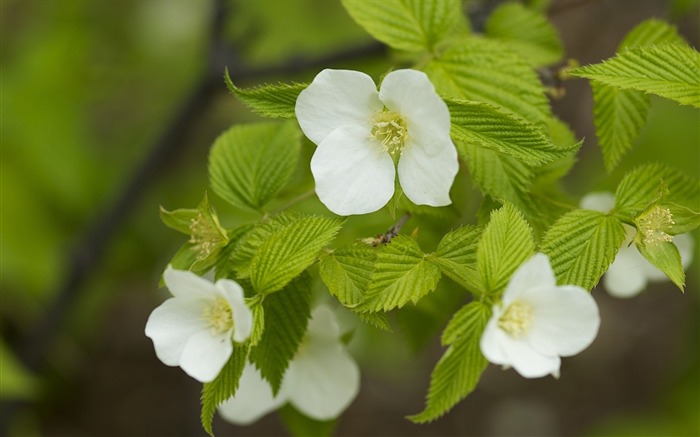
(630,272)
(194,328)
(359,132)
(321,381)
(538,321)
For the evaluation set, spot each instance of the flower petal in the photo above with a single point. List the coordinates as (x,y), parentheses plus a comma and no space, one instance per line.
(527,361)
(242,315)
(352,176)
(172,324)
(336,98)
(253,399)
(411,94)
(565,320)
(322,381)
(533,273)
(602,201)
(183,283)
(205,354)
(490,341)
(628,275)
(323,325)
(425,177)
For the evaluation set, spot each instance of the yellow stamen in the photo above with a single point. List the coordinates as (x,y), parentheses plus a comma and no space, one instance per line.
(516,319)
(219,315)
(654,225)
(389,129)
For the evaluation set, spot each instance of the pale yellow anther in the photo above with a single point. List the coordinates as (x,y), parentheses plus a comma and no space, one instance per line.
(219,315)
(389,129)
(204,235)
(516,319)
(654,225)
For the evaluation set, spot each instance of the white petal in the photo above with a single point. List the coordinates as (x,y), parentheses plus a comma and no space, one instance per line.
(565,320)
(321,382)
(172,324)
(527,361)
(183,283)
(205,354)
(533,273)
(323,325)
(336,98)
(425,177)
(352,176)
(253,399)
(490,341)
(242,315)
(627,275)
(602,201)
(685,244)
(411,94)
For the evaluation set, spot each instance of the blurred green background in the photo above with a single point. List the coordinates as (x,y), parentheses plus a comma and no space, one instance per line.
(90,88)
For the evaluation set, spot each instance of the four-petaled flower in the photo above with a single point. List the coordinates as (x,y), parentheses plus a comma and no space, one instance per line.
(321,381)
(360,132)
(194,329)
(630,272)
(537,321)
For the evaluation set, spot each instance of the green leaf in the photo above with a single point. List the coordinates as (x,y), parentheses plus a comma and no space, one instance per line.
(665,257)
(347,272)
(488,126)
(179,219)
(16,382)
(581,245)
(456,256)
(402,274)
(459,369)
(258,323)
(299,425)
(487,71)
(286,315)
(684,219)
(249,164)
(223,387)
(667,70)
(411,25)
(505,244)
(619,115)
(527,32)
(276,101)
(289,251)
(640,187)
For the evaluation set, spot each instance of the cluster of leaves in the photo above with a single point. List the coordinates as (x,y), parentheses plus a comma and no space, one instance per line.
(515,151)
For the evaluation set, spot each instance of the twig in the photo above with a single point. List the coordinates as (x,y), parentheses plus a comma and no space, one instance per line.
(392,232)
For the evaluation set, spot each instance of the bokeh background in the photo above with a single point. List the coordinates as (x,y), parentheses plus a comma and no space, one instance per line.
(108,111)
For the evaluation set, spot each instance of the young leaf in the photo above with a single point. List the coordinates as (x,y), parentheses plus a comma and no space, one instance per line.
(667,70)
(275,101)
(289,251)
(527,32)
(505,244)
(487,126)
(459,369)
(223,387)
(456,256)
(402,274)
(258,324)
(487,71)
(665,257)
(179,219)
(619,115)
(411,25)
(286,315)
(581,245)
(249,164)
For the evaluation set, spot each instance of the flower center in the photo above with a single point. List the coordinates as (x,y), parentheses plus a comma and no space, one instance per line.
(219,316)
(204,235)
(654,224)
(389,129)
(516,319)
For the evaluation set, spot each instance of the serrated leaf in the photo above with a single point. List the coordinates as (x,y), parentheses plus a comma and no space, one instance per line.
(581,245)
(456,256)
(289,251)
(665,257)
(527,32)
(225,267)
(505,244)
(249,164)
(619,115)
(286,315)
(460,368)
(276,101)
(179,219)
(347,272)
(402,274)
(411,25)
(667,70)
(684,219)
(488,126)
(258,324)
(640,187)
(487,71)
(223,387)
